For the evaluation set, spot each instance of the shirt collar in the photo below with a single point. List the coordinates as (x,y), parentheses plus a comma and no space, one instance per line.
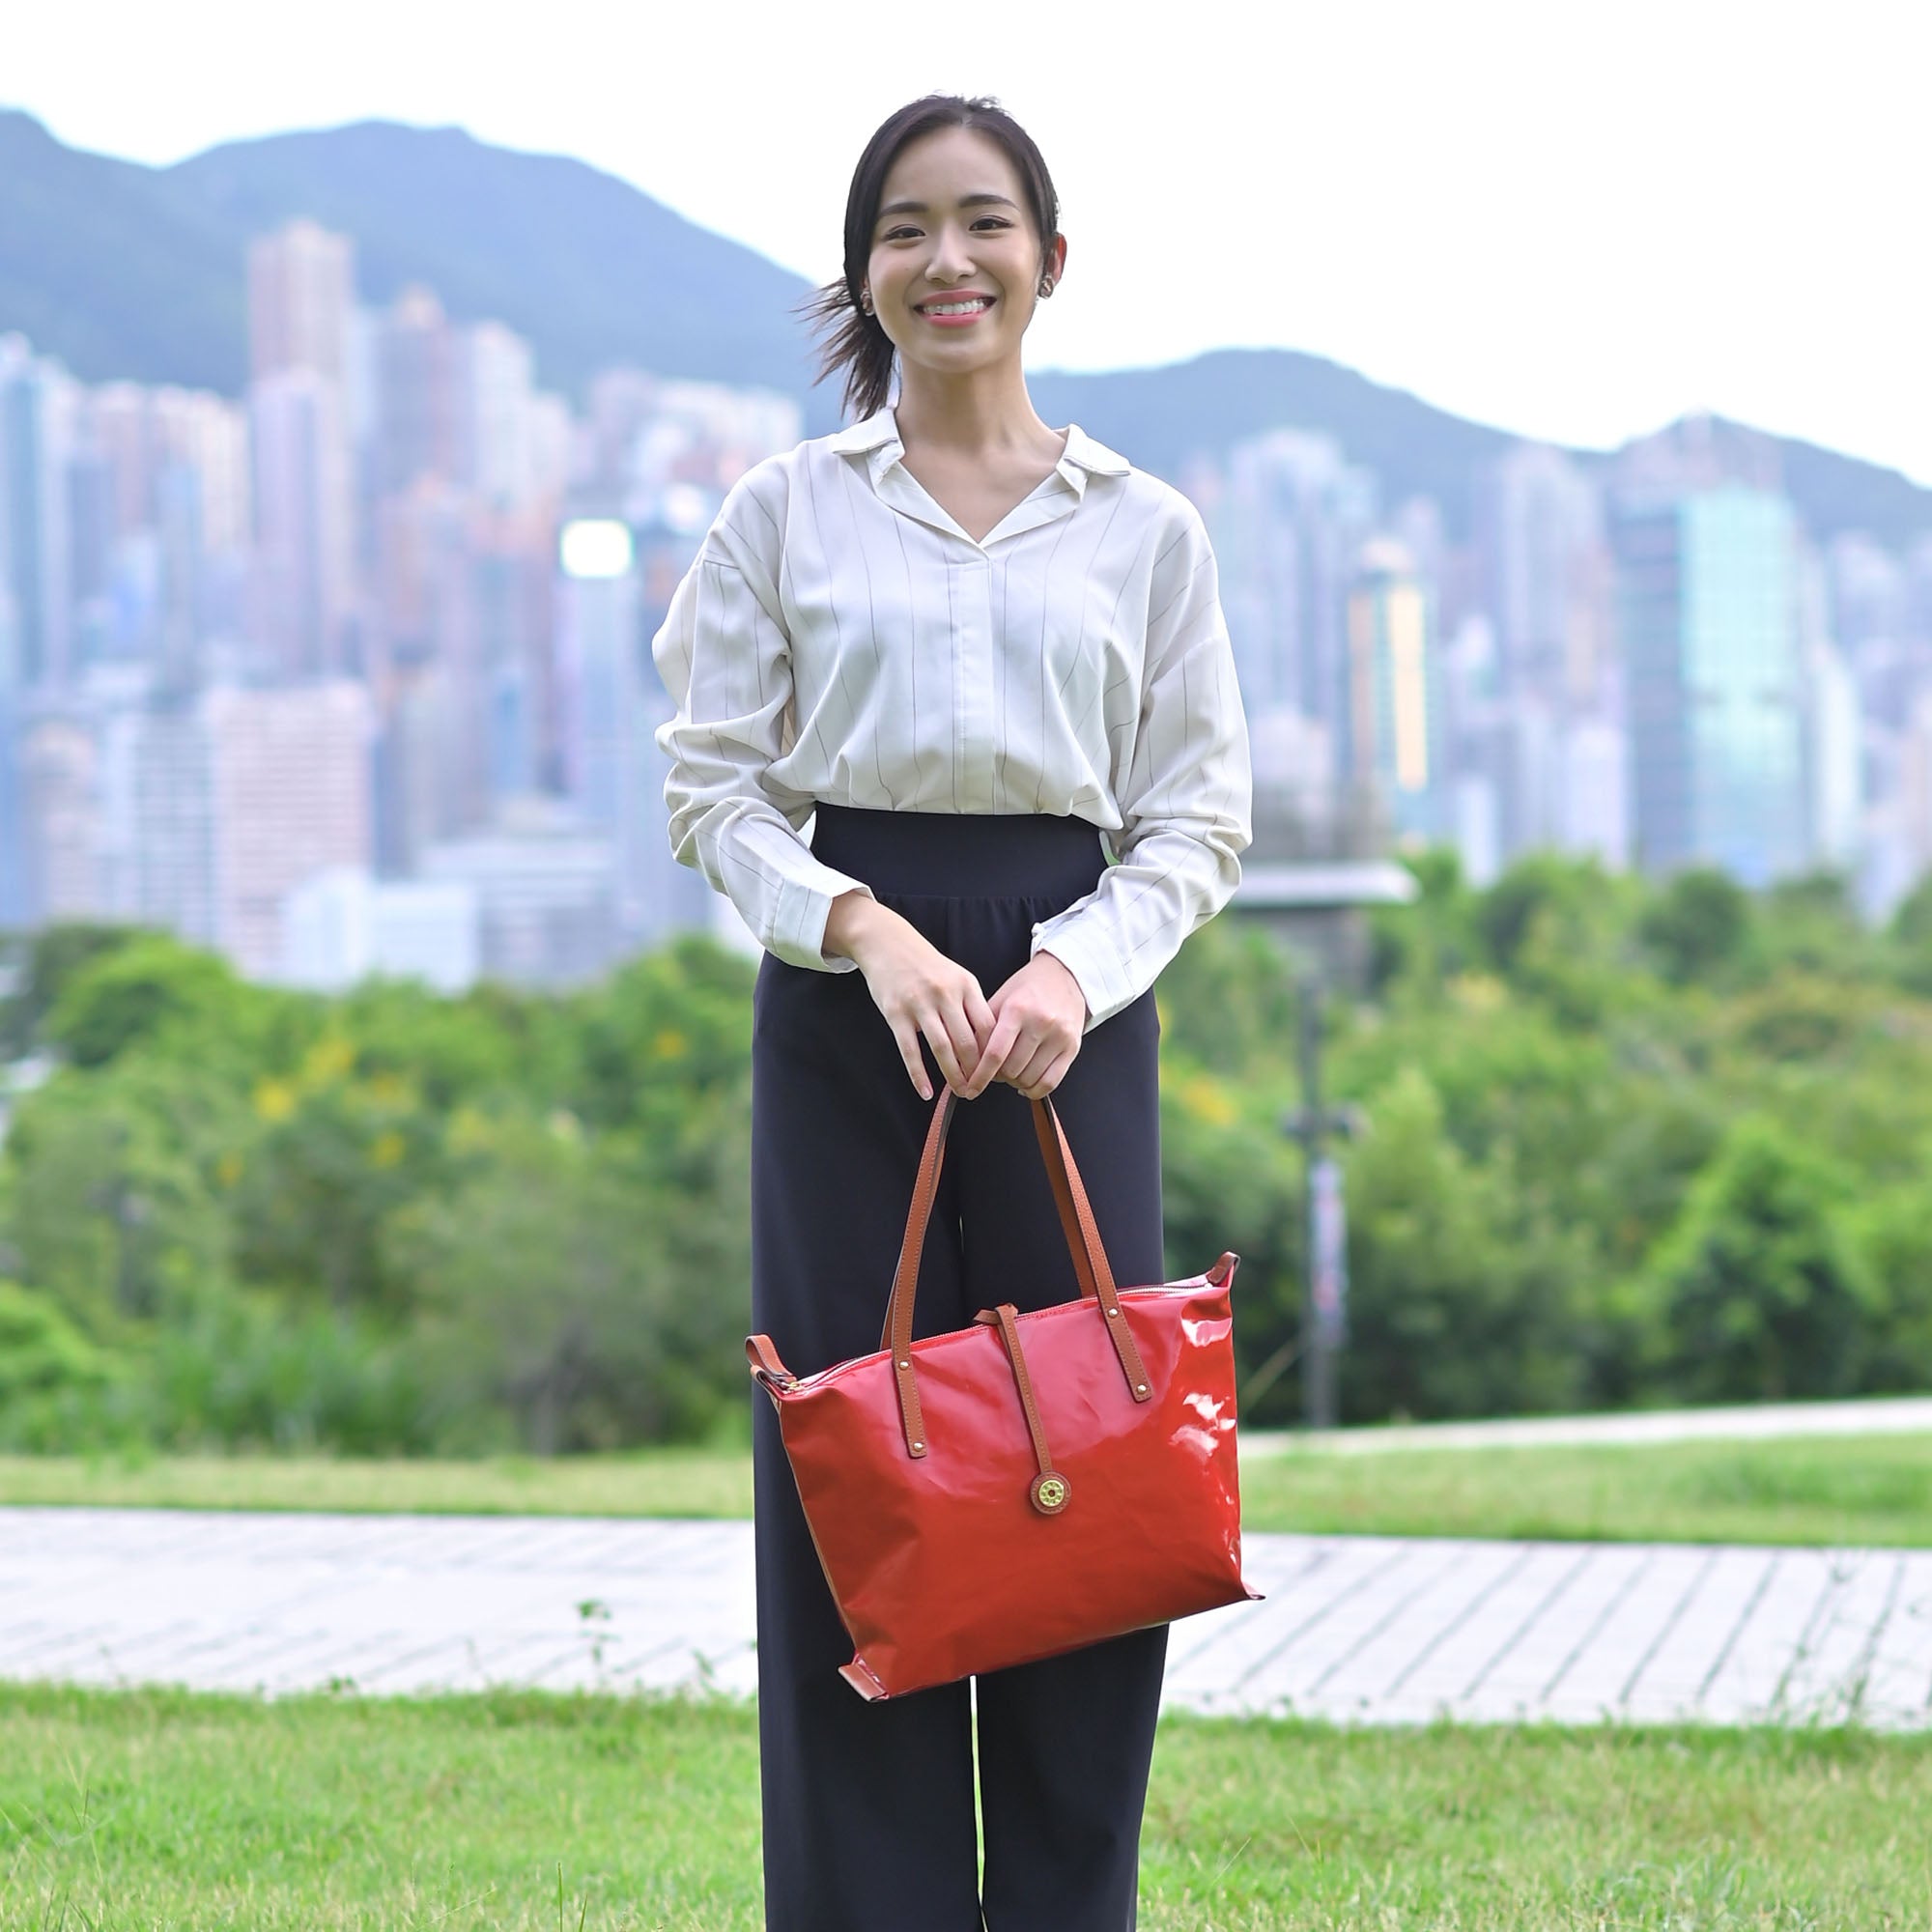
(877,435)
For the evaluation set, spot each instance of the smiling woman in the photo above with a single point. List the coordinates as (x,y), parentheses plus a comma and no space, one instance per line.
(976,652)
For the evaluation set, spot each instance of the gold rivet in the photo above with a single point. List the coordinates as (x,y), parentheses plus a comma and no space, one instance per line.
(1112,1313)
(918,1445)
(905,1365)
(1140,1388)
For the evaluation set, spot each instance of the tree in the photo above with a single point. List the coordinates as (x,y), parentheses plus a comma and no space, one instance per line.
(134,994)
(1761,1294)
(1697,925)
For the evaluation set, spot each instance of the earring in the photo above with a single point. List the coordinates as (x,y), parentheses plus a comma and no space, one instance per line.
(1045,286)
(866,300)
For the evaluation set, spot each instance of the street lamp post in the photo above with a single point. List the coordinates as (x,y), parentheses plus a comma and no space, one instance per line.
(1325,1310)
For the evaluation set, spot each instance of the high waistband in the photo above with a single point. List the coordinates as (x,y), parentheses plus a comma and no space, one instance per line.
(961,854)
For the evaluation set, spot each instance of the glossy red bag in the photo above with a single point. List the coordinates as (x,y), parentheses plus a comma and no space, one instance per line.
(1027,1485)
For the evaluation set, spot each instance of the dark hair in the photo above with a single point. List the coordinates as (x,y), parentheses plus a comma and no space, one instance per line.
(855,341)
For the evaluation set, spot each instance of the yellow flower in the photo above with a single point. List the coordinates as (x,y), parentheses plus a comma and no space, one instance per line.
(328,1058)
(388,1148)
(670,1044)
(1478,992)
(274,1099)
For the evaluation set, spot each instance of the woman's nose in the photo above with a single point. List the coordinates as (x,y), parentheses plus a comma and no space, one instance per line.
(952,258)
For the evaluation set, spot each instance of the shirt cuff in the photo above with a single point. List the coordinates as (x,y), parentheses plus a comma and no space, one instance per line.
(1093,960)
(798,926)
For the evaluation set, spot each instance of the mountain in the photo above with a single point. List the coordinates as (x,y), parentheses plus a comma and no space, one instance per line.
(1161,416)
(124,271)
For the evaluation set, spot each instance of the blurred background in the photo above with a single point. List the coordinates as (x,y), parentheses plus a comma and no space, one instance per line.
(372,1079)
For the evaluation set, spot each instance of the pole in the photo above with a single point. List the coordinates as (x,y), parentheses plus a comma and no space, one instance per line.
(1317,1355)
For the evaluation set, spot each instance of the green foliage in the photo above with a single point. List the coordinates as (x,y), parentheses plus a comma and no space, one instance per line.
(1760,1292)
(151,991)
(53,1381)
(47,959)
(1697,925)
(1623,1144)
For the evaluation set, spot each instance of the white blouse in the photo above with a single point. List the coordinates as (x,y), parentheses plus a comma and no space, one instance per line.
(839,636)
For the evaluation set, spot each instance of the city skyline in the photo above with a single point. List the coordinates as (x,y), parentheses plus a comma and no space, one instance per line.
(353,672)
(1448,206)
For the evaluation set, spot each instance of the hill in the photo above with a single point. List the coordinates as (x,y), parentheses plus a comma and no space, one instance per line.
(124,271)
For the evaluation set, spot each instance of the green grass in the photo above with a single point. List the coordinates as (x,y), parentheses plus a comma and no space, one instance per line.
(1855,1489)
(164,1809)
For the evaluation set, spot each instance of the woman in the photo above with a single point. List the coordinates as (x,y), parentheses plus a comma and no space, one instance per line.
(965,644)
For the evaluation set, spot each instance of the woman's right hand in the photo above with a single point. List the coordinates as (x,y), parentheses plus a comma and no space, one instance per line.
(916,986)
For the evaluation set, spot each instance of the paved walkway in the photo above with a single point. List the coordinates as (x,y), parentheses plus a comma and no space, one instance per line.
(1739,1422)
(1367,1629)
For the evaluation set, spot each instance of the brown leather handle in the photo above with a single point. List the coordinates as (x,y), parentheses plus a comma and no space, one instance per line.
(1083,1241)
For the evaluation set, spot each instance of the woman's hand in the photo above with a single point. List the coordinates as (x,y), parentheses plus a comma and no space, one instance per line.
(1039,1020)
(919,989)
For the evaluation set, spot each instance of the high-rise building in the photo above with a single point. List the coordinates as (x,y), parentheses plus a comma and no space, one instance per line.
(39,403)
(59,757)
(545,894)
(493,405)
(1396,738)
(289,785)
(603,697)
(302,286)
(1833,758)
(419,410)
(1544,575)
(302,594)
(1707,624)
(1288,517)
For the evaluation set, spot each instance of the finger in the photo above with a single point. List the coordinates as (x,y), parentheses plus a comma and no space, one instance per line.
(933,1026)
(1052,1076)
(1034,1069)
(907,1036)
(979,1011)
(965,1041)
(995,1053)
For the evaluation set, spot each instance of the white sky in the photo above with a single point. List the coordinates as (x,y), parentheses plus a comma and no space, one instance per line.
(1572,218)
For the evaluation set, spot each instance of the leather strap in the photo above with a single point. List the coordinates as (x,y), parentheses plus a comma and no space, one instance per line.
(1048,1490)
(765,1366)
(1083,1240)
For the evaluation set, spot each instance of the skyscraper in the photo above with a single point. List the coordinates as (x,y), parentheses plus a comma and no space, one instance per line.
(301,295)
(1707,619)
(301,285)
(289,785)
(1396,738)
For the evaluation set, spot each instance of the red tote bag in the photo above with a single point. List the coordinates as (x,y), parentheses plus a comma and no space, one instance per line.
(1031,1483)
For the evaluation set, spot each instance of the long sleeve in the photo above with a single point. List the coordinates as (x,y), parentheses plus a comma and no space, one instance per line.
(726,660)
(1187,800)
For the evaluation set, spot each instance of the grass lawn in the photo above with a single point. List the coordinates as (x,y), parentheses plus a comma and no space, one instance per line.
(1845,1490)
(164,1809)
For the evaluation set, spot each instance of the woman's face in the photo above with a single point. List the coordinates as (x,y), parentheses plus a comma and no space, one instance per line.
(955,265)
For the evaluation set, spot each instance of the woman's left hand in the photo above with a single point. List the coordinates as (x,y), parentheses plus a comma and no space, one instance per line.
(1039,1017)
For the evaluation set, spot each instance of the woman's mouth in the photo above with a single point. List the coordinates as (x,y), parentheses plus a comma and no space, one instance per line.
(955,311)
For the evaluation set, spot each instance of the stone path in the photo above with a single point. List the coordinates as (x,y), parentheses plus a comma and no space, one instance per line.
(1739,1422)
(1365,1629)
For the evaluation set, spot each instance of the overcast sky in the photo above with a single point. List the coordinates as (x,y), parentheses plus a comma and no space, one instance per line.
(1571,219)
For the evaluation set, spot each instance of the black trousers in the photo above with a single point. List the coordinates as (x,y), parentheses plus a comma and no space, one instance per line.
(868,1808)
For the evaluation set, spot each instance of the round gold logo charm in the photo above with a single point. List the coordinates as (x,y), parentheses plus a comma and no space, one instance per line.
(1049,1494)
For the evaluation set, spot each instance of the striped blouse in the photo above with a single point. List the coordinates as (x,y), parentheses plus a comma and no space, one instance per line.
(839,636)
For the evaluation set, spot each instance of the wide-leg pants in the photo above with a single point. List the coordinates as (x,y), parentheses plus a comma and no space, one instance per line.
(868,1808)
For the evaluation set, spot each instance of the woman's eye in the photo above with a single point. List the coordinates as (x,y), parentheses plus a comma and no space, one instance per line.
(899,233)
